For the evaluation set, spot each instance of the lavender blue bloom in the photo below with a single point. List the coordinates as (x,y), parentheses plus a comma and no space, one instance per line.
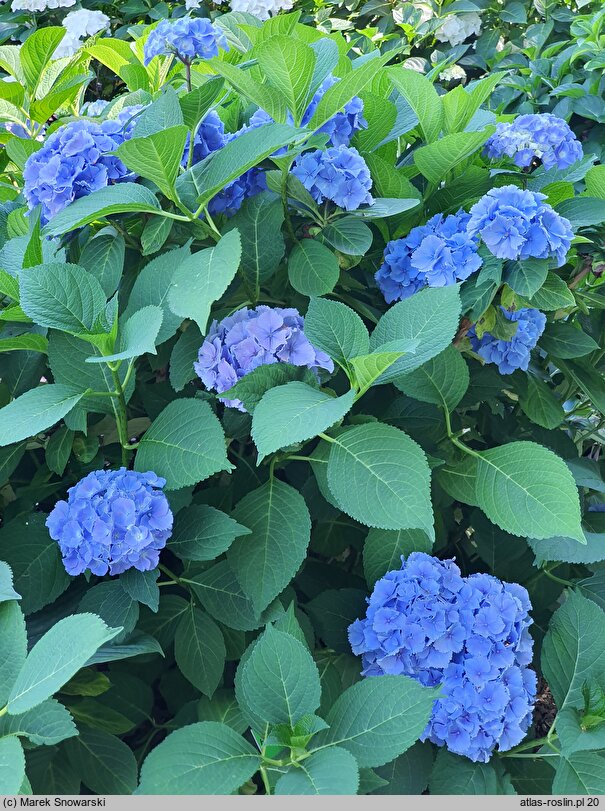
(543,136)
(250,338)
(113,520)
(74,162)
(515,224)
(338,173)
(468,634)
(514,354)
(437,254)
(187,38)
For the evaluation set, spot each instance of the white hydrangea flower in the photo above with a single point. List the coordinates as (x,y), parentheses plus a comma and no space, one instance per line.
(40,5)
(79,25)
(262,9)
(456,28)
(452,74)
(192,4)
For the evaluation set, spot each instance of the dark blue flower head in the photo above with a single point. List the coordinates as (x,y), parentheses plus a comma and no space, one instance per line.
(338,173)
(515,224)
(74,162)
(468,634)
(209,137)
(541,136)
(250,338)
(113,520)
(432,255)
(514,354)
(187,38)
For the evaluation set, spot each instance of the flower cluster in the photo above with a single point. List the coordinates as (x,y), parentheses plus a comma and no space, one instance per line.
(79,25)
(338,173)
(113,520)
(515,224)
(432,255)
(542,136)
(469,635)
(263,9)
(247,339)
(513,354)
(40,5)
(458,27)
(74,162)
(187,38)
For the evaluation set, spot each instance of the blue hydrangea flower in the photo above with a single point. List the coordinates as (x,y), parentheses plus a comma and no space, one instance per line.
(515,224)
(74,162)
(187,38)
(209,137)
(339,129)
(468,634)
(513,354)
(250,338)
(94,109)
(113,520)
(432,255)
(338,173)
(543,136)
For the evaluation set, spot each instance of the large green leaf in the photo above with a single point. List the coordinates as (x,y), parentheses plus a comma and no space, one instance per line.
(565,340)
(12,765)
(422,97)
(288,65)
(203,758)
(266,97)
(36,52)
(443,380)
(587,379)
(380,477)
(377,719)
(138,336)
(185,444)
(199,650)
(35,411)
(528,490)
(55,658)
(251,388)
(430,318)
(103,257)
(336,329)
(437,159)
(13,646)
(103,762)
(61,296)
(383,549)
(7,592)
(203,533)
(203,278)
(278,679)
(259,222)
(453,774)
(294,413)
(46,724)
(580,773)
(329,771)
(541,405)
(312,268)
(156,157)
(265,561)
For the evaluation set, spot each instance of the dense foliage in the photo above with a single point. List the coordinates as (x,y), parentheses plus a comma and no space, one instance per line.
(302,339)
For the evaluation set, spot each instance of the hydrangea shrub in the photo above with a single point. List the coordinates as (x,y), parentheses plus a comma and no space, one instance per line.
(301,406)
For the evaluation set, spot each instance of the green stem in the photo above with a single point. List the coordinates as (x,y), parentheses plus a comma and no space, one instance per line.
(265,779)
(167,583)
(170,574)
(556,579)
(3,711)
(523,747)
(284,200)
(327,438)
(121,414)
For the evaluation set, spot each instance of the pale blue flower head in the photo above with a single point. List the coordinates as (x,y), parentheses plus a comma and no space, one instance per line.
(187,38)
(542,136)
(514,354)
(338,174)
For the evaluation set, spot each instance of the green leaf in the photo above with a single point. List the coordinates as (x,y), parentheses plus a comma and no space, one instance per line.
(437,159)
(103,762)
(380,477)
(586,378)
(253,386)
(55,658)
(368,368)
(265,561)
(142,587)
(582,212)
(267,97)
(453,774)
(155,233)
(156,157)
(568,549)
(580,773)
(202,279)
(35,411)
(35,559)
(459,480)
(223,598)
(527,490)
(288,65)
(422,97)
(7,592)
(349,235)
(526,277)
(336,329)
(383,549)
(259,222)
(565,340)
(35,54)
(10,457)
(184,354)
(430,318)
(203,758)
(28,341)
(13,646)
(103,257)
(118,199)
(203,533)
(138,337)
(541,405)
(378,719)
(443,380)
(12,765)
(224,709)
(573,650)
(197,103)
(163,114)
(409,773)
(112,603)
(279,679)
(61,296)
(553,295)
(185,444)
(199,184)
(329,771)
(294,413)
(312,268)
(199,650)
(385,207)
(46,724)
